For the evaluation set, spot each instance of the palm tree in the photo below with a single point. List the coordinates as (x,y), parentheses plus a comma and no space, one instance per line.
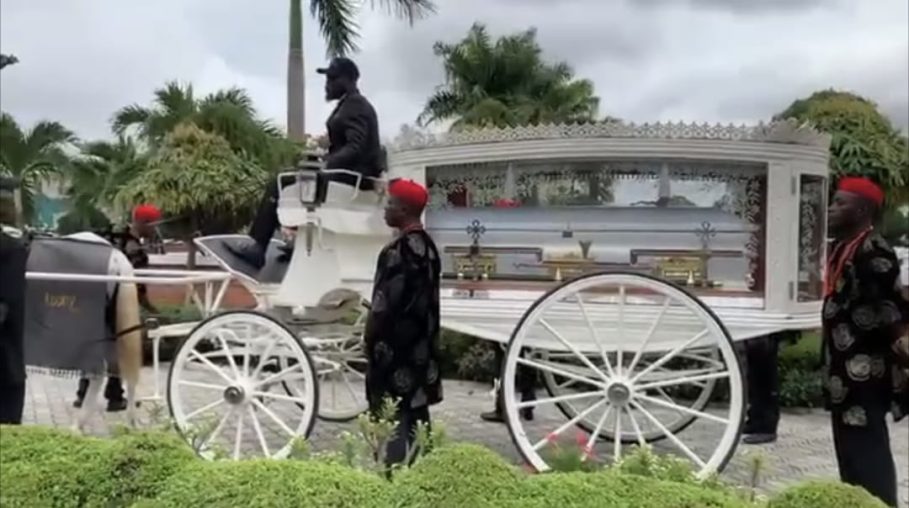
(7,60)
(506,83)
(97,174)
(32,156)
(228,113)
(337,25)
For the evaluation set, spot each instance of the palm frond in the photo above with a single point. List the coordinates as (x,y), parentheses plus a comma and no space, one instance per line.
(408,10)
(129,116)
(337,25)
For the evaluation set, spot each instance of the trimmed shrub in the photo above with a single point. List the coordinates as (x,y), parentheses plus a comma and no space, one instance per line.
(40,466)
(138,465)
(271,484)
(457,476)
(609,489)
(825,494)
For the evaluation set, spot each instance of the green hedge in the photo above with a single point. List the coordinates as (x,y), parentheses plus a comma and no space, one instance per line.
(42,467)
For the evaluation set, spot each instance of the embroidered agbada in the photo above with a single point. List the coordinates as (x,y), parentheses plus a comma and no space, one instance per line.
(402,330)
(862,316)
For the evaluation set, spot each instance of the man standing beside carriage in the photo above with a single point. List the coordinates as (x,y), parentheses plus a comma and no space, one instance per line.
(13,258)
(402,330)
(865,319)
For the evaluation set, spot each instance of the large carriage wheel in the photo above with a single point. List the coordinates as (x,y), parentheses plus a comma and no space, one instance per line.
(224,387)
(634,346)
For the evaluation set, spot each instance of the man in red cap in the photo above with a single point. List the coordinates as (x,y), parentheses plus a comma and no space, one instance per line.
(402,330)
(130,241)
(864,316)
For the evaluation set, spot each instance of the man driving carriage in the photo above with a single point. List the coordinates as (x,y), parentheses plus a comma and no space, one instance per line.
(353,136)
(129,241)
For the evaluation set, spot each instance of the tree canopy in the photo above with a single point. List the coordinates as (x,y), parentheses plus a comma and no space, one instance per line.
(864,142)
(505,82)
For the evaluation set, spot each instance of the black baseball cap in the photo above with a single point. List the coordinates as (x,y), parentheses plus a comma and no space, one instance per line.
(341,67)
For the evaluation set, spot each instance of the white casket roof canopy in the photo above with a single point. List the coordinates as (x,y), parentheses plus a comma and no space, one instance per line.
(784,132)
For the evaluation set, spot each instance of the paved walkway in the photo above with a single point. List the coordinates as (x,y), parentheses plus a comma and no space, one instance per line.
(804,449)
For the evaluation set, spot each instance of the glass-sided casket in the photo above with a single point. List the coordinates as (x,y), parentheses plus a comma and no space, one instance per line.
(558,239)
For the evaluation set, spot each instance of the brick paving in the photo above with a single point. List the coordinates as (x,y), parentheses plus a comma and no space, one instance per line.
(804,449)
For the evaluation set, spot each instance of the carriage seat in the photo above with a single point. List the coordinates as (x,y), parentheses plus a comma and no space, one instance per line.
(272,272)
(313,196)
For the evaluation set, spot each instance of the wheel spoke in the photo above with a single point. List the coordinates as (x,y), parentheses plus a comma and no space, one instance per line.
(197,384)
(249,334)
(573,349)
(279,396)
(205,408)
(617,449)
(279,374)
(258,429)
(683,409)
(595,335)
(683,380)
(217,370)
(560,372)
(268,412)
(621,331)
(588,448)
(650,332)
(672,437)
(556,400)
(217,430)
(637,429)
(263,357)
(567,424)
(238,437)
(226,348)
(670,355)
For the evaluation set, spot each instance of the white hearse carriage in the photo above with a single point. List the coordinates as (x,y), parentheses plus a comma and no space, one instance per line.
(618,263)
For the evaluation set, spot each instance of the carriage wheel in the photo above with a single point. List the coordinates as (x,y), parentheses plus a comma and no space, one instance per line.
(633,345)
(226,401)
(696,396)
(340,359)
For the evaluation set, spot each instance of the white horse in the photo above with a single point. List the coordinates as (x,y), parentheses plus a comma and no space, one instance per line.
(128,339)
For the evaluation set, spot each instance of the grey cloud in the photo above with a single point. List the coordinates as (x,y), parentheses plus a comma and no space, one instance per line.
(740,6)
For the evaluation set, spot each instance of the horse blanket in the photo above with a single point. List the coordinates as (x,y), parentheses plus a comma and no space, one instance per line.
(68,324)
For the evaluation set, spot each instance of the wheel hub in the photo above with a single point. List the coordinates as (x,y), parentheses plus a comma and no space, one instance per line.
(618,393)
(234,395)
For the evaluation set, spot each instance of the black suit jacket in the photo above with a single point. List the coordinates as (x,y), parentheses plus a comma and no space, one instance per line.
(13,258)
(353,137)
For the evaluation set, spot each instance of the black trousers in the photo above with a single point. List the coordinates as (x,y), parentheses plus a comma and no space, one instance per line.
(405,433)
(864,456)
(525,380)
(12,401)
(762,363)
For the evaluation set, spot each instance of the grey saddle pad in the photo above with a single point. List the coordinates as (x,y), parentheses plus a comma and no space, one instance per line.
(66,328)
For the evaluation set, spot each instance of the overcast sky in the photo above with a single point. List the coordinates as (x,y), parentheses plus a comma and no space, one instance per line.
(693,60)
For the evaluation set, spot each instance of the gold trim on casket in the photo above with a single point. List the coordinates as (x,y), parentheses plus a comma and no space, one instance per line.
(477,266)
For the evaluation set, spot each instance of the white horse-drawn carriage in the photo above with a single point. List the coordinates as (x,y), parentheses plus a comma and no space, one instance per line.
(637,256)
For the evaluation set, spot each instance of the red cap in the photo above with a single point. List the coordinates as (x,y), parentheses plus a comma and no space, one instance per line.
(862,187)
(146,213)
(409,192)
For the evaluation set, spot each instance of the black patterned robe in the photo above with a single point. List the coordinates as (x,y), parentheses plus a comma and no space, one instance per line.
(402,331)
(862,321)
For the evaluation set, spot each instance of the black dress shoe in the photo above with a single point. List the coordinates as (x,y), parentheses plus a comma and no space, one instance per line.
(492,416)
(286,252)
(756,439)
(249,252)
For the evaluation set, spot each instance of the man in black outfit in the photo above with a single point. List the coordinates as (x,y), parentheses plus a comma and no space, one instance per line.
(13,259)
(353,136)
